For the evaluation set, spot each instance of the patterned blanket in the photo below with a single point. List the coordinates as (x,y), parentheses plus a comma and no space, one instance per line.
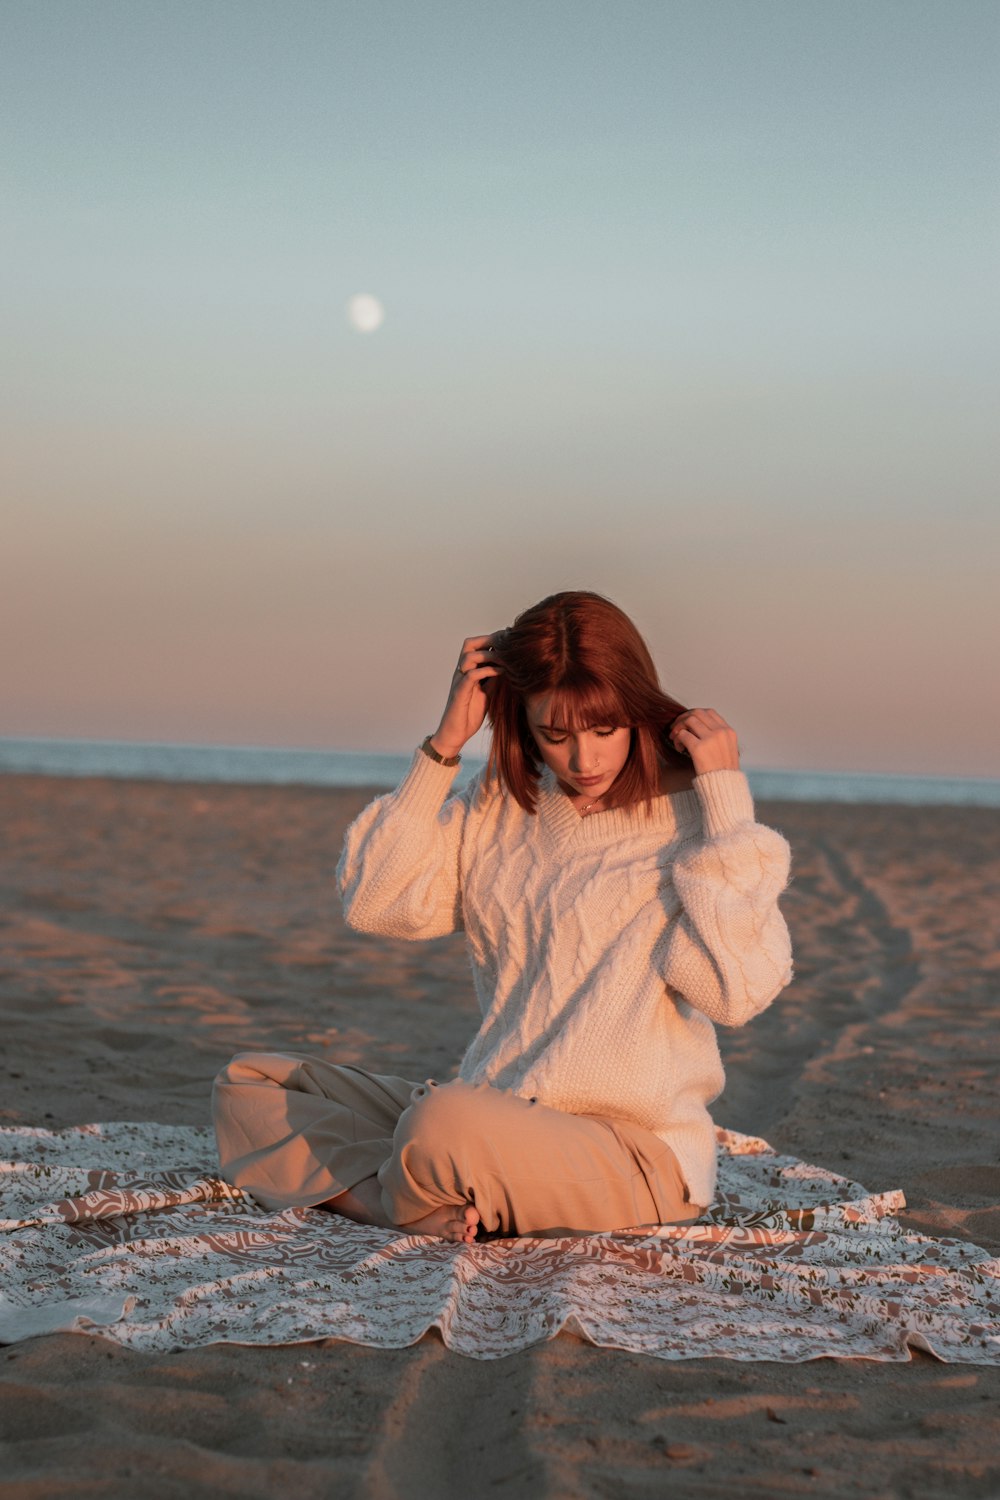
(126,1230)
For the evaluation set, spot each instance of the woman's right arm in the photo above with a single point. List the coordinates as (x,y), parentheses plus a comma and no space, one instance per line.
(399,871)
(399,874)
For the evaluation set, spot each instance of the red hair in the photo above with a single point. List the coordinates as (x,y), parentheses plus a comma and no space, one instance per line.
(585,652)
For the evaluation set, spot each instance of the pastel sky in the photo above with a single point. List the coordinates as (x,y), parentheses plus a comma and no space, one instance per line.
(691,303)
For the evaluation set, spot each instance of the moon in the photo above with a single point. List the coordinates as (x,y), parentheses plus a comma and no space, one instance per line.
(365,313)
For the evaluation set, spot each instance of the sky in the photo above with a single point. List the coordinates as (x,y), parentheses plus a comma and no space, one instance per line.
(693,304)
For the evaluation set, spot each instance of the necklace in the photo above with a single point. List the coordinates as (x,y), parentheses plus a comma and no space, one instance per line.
(594,805)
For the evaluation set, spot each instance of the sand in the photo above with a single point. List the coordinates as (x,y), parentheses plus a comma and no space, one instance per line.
(150,930)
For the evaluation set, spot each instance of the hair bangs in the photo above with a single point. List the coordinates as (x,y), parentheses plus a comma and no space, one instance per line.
(588,703)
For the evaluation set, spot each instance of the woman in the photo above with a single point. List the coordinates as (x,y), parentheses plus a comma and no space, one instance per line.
(617,897)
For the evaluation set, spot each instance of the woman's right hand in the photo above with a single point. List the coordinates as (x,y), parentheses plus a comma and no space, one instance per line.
(466,707)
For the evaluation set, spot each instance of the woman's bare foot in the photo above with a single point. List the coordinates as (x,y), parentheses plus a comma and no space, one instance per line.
(363,1204)
(454,1222)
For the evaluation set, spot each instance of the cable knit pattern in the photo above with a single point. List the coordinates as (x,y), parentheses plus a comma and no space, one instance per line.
(603,948)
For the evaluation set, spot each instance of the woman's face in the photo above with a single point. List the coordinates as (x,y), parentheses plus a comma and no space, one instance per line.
(586,761)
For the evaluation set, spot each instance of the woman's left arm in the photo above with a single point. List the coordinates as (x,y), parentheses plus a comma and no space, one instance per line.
(729,952)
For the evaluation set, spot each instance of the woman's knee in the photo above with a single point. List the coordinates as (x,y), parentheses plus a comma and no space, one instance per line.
(444,1117)
(264,1069)
(241,1069)
(459,1121)
(236,1088)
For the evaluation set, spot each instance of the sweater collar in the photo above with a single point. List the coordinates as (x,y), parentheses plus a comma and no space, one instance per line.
(673,813)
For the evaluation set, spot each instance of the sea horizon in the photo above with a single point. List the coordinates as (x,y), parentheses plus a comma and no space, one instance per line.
(288,766)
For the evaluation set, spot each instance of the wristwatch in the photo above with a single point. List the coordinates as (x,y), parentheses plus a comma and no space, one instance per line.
(442,760)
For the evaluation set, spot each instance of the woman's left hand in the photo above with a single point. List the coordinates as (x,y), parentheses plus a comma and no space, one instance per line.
(707,738)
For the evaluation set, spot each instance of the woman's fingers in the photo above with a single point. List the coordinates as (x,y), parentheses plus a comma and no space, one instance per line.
(699,721)
(474,650)
(466,707)
(470,660)
(702,715)
(475,664)
(704,735)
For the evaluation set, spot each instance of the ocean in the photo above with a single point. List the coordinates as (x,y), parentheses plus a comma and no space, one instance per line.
(349,768)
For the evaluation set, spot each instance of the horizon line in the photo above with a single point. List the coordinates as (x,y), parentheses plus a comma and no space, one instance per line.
(310,750)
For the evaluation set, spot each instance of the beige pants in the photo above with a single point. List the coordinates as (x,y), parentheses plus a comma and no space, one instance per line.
(294,1131)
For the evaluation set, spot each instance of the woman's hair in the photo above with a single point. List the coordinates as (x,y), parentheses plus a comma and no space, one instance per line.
(585,652)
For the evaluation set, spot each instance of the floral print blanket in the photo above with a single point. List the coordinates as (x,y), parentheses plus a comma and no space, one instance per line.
(125,1230)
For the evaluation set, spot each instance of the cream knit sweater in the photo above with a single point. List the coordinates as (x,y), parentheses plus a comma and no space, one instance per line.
(603,948)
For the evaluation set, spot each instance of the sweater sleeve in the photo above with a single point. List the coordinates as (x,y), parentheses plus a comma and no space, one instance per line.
(398,873)
(729,952)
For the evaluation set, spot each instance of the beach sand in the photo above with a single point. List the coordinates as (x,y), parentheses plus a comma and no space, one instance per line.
(150,930)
